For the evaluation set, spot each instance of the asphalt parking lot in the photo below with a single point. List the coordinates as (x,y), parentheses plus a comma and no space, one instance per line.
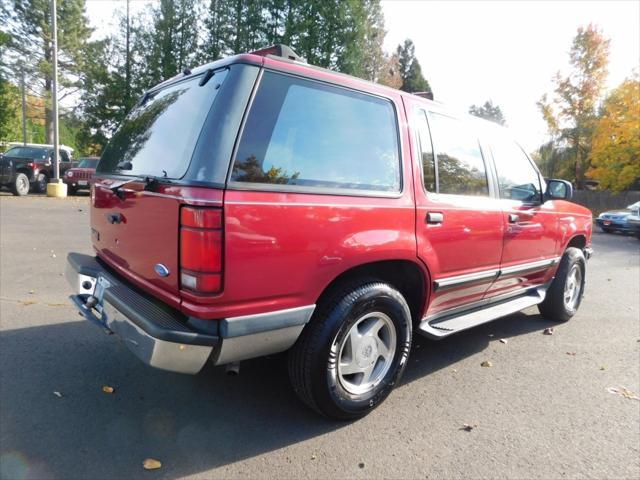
(542,411)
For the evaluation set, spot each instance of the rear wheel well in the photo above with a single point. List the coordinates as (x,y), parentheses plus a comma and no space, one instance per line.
(404,275)
(579,241)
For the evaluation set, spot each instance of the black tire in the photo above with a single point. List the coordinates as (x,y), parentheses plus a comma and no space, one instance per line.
(72,190)
(40,185)
(606,229)
(554,306)
(20,185)
(313,360)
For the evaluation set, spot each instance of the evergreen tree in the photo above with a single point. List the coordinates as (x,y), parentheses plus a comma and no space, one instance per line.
(488,111)
(29,23)
(410,70)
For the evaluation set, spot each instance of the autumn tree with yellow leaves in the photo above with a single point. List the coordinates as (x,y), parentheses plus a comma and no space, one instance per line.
(615,145)
(571,112)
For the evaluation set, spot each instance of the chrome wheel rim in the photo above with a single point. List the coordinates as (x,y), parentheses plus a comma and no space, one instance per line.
(366,353)
(572,288)
(22,184)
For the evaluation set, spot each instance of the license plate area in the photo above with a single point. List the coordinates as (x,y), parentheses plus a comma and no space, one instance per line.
(82,182)
(101,285)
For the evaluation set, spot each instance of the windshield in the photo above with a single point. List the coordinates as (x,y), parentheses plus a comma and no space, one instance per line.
(26,152)
(159,135)
(634,206)
(88,163)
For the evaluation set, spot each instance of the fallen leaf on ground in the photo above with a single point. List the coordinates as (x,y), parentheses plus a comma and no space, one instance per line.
(361,465)
(573,354)
(455,370)
(313,457)
(107,389)
(57,394)
(603,368)
(31,292)
(28,302)
(151,464)
(548,331)
(466,427)
(53,256)
(486,363)
(623,392)
(503,340)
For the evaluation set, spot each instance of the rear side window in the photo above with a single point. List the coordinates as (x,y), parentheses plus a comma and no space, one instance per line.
(309,135)
(460,165)
(517,178)
(159,135)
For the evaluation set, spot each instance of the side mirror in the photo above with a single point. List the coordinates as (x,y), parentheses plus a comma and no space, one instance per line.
(558,190)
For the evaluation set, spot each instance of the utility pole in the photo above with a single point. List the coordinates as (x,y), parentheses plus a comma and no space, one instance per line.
(24,106)
(56,188)
(127,66)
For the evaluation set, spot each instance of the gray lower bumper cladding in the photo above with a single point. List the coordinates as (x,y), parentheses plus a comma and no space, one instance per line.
(166,339)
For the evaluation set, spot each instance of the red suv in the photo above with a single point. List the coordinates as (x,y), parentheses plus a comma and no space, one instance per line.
(79,177)
(258,204)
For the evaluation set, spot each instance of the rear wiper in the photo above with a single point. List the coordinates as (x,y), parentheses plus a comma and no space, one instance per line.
(151,182)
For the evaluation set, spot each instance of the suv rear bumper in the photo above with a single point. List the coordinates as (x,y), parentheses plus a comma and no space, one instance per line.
(165,339)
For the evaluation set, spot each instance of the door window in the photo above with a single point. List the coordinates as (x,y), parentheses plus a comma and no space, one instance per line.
(459,161)
(517,178)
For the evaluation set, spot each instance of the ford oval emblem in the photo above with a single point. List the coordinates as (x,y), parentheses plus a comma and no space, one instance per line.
(161,270)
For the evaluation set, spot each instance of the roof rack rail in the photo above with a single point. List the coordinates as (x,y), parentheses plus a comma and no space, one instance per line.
(281,51)
(428,95)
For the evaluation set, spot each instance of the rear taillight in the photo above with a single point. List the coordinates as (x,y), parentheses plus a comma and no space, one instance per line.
(201,249)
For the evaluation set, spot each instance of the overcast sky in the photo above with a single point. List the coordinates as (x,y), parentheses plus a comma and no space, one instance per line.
(508,51)
(504,51)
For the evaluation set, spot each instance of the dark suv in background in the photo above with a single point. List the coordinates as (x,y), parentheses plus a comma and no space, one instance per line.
(29,167)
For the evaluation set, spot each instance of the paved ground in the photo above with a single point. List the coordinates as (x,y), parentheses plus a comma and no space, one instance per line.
(542,411)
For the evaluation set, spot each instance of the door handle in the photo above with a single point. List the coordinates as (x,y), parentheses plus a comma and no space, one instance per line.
(513,218)
(434,218)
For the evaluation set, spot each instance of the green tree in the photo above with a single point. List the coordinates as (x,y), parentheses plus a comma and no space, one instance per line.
(217,30)
(9,120)
(410,70)
(488,111)
(29,24)
(571,113)
(171,42)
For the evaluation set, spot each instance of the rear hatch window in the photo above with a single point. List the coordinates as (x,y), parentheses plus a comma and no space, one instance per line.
(159,135)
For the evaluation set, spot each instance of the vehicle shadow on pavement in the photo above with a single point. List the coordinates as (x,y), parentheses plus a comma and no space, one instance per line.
(428,356)
(191,423)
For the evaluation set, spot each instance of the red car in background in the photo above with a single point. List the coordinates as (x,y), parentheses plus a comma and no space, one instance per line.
(80,177)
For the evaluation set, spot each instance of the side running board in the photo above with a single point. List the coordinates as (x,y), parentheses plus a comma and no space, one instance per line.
(443,326)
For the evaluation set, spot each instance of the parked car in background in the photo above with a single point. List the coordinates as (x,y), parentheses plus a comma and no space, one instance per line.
(617,220)
(28,167)
(633,221)
(258,205)
(79,177)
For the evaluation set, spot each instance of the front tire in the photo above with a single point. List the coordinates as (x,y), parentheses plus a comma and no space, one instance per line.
(20,185)
(353,351)
(567,289)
